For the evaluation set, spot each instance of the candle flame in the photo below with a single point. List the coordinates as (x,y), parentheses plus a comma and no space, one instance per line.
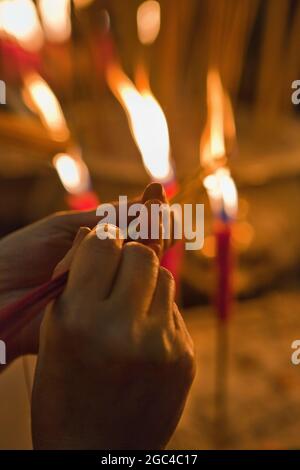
(19,20)
(56,19)
(212,145)
(147,123)
(222,192)
(72,172)
(229,123)
(220,129)
(44,102)
(216,110)
(148,21)
(82,3)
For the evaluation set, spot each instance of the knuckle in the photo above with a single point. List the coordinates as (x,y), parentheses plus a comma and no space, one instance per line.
(69,321)
(142,252)
(187,362)
(167,276)
(92,243)
(158,344)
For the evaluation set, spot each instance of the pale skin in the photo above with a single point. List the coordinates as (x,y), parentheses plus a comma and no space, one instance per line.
(29,256)
(115,359)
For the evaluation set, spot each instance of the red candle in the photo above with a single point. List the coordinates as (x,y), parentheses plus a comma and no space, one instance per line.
(83,201)
(223,298)
(16,60)
(75,178)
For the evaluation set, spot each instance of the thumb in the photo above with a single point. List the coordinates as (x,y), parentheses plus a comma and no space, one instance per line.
(96,263)
(65,263)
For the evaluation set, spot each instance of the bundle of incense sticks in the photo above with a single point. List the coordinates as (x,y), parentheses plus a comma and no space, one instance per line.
(15,316)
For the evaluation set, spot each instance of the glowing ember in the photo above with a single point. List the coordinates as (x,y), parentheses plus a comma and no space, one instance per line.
(56,19)
(72,172)
(147,123)
(19,20)
(42,100)
(148,21)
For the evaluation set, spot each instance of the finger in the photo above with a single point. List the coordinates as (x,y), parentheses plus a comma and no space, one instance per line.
(136,279)
(95,265)
(163,299)
(65,263)
(154,223)
(154,229)
(73,220)
(160,225)
(154,191)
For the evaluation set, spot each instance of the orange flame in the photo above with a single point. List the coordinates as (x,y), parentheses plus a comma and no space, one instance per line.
(41,99)
(219,130)
(56,19)
(222,192)
(72,172)
(82,3)
(148,21)
(147,123)
(19,20)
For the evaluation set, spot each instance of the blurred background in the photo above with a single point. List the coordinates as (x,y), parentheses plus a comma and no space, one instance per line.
(104,96)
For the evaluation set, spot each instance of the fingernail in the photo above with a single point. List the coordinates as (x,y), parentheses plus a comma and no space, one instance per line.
(80,235)
(104,231)
(155,191)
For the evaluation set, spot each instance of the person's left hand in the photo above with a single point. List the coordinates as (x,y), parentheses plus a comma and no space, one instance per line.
(29,256)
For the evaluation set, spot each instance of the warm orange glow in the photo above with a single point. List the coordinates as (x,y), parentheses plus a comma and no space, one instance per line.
(222,192)
(243,208)
(220,128)
(19,20)
(72,172)
(148,21)
(229,121)
(56,19)
(43,101)
(243,235)
(82,3)
(216,114)
(209,247)
(147,122)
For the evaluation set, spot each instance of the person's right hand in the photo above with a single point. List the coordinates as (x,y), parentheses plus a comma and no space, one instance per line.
(116,361)
(29,255)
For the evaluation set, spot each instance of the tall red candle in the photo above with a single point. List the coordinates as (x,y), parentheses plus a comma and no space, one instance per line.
(223,297)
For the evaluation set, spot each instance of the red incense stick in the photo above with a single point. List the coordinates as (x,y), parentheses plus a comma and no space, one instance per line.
(15,316)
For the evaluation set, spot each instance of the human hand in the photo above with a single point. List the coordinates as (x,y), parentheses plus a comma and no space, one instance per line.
(115,361)
(29,256)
